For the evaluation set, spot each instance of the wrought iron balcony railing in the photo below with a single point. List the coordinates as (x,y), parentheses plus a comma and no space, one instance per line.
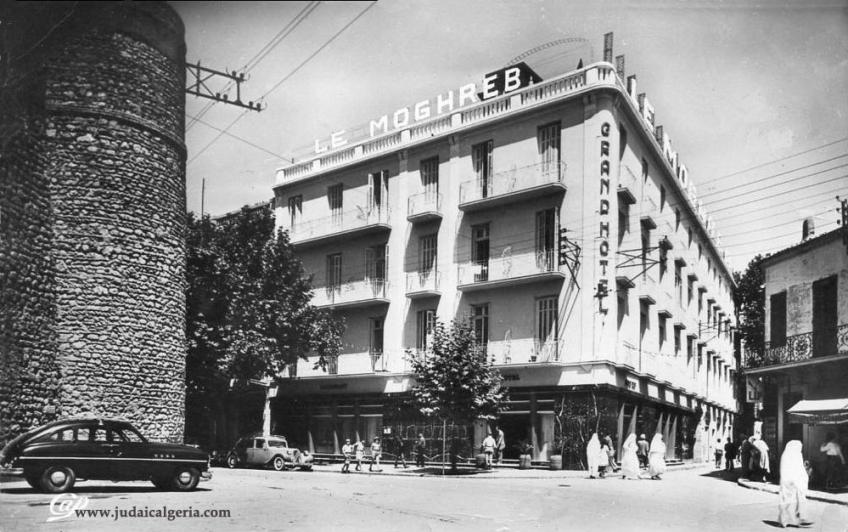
(424,205)
(339,222)
(506,267)
(511,181)
(424,281)
(800,347)
(351,292)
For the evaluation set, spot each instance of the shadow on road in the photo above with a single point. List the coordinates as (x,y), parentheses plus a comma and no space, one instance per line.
(721,474)
(94,489)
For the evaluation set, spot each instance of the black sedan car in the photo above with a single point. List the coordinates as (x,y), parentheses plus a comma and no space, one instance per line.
(55,455)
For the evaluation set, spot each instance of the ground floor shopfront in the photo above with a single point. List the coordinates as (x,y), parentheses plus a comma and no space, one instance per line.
(544,411)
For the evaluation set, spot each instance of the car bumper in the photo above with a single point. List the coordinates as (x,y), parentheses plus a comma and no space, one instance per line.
(206,475)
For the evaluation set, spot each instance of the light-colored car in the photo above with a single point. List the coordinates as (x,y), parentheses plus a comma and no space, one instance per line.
(263,451)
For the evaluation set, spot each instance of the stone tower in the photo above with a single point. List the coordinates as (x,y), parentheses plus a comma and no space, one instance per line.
(92,215)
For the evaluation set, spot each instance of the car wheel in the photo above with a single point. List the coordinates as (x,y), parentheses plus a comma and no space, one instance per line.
(185,479)
(57,479)
(232,461)
(278,463)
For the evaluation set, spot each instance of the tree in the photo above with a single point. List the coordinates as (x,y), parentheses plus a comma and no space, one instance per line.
(750,302)
(454,381)
(248,308)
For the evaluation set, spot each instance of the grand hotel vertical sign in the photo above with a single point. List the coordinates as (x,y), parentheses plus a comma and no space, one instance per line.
(604,219)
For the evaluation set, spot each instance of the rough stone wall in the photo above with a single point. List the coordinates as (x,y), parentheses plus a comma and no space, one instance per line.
(100,271)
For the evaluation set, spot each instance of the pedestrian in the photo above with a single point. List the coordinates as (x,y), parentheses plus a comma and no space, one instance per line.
(500,445)
(488,449)
(420,447)
(745,456)
(613,467)
(359,450)
(603,459)
(629,458)
(718,453)
(656,457)
(642,451)
(835,459)
(760,459)
(376,454)
(729,454)
(400,451)
(793,487)
(593,450)
(347,451)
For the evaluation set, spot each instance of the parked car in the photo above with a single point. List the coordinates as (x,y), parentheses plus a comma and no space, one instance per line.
(56,455)
(263,451)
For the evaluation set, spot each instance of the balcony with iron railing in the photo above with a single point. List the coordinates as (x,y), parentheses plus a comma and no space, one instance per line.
(522,351)
(423,283)
(352,293)
(344,224)
(803,347)
(517,184)
(424,207)
(508,270)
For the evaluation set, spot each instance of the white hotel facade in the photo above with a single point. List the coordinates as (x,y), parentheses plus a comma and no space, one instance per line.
(554,220)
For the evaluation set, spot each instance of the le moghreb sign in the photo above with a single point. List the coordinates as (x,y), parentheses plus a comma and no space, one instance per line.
(494,84)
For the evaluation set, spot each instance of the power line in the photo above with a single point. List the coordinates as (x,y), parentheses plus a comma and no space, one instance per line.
(264,51)
(837,178)
(242,139)
(275,87)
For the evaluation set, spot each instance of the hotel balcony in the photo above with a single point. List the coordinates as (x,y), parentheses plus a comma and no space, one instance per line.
(508,270)
(424,207)
(352,294)
(422,284)
(804,347)
(344,224)
(511,186)
(522,351)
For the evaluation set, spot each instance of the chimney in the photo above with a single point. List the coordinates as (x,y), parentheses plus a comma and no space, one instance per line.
(808,229)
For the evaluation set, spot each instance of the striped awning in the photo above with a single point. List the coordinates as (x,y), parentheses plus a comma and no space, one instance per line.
(819,412)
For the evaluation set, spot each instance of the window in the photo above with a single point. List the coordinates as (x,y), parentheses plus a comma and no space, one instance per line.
(334,197)
(663,257)
(678,281)
(546,328)
(546,231)
(689,290)
(777,319)
(481,157)
(375,267)
(676,219)
(825,315)
(424,324)
(547,138)
(295,210)
(646,244)
(480,251)
(427,248)
(623,220)
(430,176)
(644,321)
(689,234)
(375,347)
(690,342)
(677,333)
(480,324)
(622,141)
(378,190)
(334,272)
(661,331)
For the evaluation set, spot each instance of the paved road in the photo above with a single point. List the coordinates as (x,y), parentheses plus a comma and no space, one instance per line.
(293,500)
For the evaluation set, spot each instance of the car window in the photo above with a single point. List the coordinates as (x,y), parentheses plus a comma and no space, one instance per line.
(259,443)
(99,435)
(82,434)
(128,435)
(277,443)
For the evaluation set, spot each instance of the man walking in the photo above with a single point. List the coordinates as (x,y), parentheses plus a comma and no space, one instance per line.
(400,451)
(420,447)
(488,449)
(500,445)
(642,451)
(729,454)
(347,450)
(376,454)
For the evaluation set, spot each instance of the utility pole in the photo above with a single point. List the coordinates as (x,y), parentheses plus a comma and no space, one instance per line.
(198,76)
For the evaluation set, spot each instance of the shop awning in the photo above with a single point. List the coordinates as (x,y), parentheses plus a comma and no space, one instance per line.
(819,412)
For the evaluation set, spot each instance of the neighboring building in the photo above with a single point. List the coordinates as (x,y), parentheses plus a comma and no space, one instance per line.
(228,218)
(557,219)
(805,368)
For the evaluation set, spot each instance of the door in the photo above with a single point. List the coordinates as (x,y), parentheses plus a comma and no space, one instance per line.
(375,269)
(258,453)
(133,453)
(824,317)
(378,188)
(545,239)
(480,252)
(481,155)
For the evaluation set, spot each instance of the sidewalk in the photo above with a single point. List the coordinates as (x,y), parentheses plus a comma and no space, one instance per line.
(813,495)
(473,473)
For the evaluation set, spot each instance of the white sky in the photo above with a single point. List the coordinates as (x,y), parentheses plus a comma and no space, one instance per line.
(735,84)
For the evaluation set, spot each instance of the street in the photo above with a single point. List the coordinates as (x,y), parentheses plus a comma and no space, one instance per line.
(327,501)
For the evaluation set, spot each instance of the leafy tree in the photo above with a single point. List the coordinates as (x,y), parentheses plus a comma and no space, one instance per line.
(750,302)
(454,381)
(248,308)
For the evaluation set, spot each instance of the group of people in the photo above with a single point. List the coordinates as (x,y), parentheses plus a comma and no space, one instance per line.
(493,447)
(635,455)
(355,452)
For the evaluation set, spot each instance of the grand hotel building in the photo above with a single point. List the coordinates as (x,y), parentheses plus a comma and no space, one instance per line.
(554,220)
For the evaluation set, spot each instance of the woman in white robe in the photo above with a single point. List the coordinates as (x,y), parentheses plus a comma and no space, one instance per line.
(656,457)
(792,505)
(629,458)
(593,450)
(763,468)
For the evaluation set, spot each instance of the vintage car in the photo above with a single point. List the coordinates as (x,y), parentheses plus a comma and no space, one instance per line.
(262,451)
(54,456)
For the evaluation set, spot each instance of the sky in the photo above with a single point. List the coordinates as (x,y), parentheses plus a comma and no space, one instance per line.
(753,94)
